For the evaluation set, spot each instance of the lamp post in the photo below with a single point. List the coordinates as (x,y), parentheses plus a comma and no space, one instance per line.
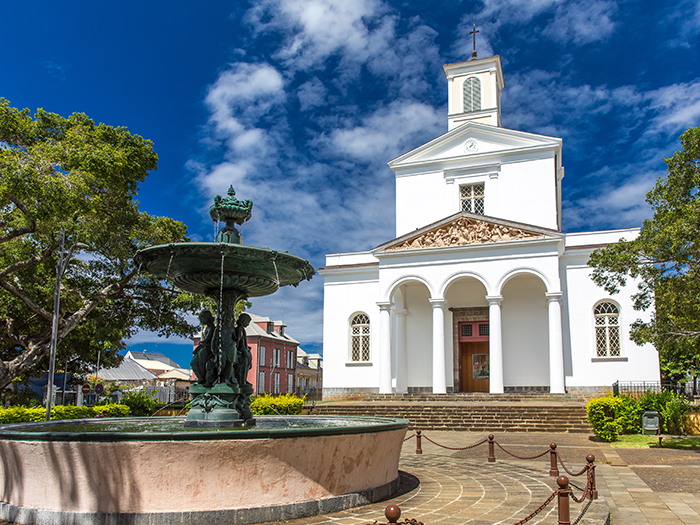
(61,266)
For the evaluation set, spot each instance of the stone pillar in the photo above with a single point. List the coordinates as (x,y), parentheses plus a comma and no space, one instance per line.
(384,348)
(439,382)
(495,345)
(556,348)
(401,356)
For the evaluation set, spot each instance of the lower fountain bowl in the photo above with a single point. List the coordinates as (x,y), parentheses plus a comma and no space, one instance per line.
(152,470)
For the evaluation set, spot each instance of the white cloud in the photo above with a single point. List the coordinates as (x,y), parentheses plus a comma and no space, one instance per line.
(388,131)
(610,206)
(683,19)
(320,28)
(311,94)
(577,22)
(581,22)
(675,107)
(242,93)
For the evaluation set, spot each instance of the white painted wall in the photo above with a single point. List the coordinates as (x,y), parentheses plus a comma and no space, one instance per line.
(345,295)
(522,191)
(420,200)
(527,193)
(525,333)
(583,367)
(419,335)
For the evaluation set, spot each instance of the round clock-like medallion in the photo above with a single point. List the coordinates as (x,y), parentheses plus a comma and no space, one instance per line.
(471,146)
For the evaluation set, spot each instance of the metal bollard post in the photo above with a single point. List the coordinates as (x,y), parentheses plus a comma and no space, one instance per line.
(492,456)
(590,458)
(553,469)
(419,449)
(392,513)
(563,500)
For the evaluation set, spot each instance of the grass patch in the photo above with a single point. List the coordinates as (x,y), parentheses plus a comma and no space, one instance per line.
(641,441)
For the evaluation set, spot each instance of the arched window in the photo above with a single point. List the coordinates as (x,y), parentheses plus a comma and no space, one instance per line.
(472,94)
(607,329)
(359,338)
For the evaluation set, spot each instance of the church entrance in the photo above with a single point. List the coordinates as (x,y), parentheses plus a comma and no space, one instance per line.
(474,356)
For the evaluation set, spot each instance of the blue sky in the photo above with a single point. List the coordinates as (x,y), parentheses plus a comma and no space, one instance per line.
(300,104)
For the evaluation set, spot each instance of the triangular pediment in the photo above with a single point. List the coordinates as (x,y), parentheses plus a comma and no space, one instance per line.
(466,229)
(474,140)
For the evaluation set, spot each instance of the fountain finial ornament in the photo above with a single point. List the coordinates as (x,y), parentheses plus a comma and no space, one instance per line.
(231,211)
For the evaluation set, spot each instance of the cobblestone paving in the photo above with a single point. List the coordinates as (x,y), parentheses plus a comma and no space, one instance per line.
(450,487)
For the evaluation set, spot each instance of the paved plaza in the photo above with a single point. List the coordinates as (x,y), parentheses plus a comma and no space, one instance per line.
(450,487)
(638,486)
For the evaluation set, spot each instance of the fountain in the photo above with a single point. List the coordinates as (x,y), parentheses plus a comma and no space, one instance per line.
(219,464)
(226,271)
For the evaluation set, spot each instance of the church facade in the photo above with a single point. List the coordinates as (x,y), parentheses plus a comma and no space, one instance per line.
(480,291)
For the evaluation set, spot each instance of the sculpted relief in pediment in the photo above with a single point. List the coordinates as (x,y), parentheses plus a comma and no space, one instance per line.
(465,231)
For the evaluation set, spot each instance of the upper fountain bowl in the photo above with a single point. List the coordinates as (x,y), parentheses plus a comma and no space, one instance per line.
(204,267)
(227,265)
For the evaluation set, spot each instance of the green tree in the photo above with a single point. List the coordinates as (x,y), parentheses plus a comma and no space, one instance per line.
(72,173)
(664,259)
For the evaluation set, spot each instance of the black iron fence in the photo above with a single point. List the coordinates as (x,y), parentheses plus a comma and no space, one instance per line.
(688,390)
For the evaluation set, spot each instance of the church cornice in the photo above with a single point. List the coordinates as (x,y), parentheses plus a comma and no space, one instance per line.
(467,230)
(531,143)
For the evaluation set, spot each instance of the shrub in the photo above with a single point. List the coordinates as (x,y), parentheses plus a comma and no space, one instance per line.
(610,416)
(601,413)
(672,415)
(112,410)
(627,415)
(140,402)
(59,412)
(287,404)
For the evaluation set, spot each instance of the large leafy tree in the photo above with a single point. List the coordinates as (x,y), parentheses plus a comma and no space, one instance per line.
(72,173)
(665,261)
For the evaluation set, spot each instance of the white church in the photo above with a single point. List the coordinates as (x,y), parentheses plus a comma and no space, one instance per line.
(480,291)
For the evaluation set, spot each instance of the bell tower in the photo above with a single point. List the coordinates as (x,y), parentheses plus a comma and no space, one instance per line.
(474,91)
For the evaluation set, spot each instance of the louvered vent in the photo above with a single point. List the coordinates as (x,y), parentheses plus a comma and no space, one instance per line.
(472,95)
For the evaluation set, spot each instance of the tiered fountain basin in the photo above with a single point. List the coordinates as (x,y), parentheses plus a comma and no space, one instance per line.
(152,470)
(207,268)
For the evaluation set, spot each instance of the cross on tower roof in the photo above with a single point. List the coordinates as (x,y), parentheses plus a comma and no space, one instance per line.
(474,32)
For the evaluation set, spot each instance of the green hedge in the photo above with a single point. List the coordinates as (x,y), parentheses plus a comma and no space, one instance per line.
(610,416)
(287,404)
(58,412)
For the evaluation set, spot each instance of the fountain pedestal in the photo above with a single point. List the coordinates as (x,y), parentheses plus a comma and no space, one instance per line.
(220,406)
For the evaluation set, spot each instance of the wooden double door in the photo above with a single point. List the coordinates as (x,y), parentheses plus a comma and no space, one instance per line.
(474,356)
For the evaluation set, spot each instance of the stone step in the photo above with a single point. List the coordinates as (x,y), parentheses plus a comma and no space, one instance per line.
(481,396)
(470,418)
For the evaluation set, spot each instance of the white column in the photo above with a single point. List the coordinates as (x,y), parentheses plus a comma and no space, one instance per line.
(495,345)
(401,351)
(556,349)
(384,348)
(439,382)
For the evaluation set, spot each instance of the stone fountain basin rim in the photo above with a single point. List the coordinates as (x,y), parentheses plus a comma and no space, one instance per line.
(221,247)
(13,431)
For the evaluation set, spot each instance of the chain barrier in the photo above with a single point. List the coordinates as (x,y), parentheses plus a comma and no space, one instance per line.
(583,512)
(539,509)
(457,448)
(520,457)
(409,437)
(583,496)
(584,469)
